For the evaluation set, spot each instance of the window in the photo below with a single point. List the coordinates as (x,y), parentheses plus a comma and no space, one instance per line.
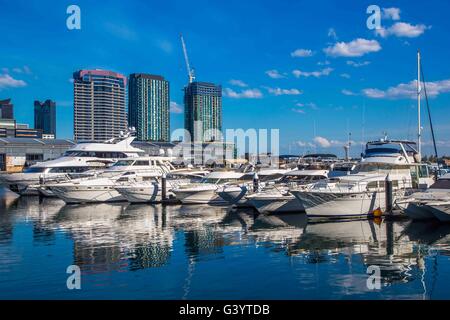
(141,163)
(34,157)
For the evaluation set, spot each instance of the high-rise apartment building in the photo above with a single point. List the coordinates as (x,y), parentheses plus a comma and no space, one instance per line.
(6,109)
(45,117)
(148,107)
(99,105)
(203,111)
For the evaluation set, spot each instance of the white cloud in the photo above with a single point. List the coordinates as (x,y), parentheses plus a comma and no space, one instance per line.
(317,74)
(402,29)
(121,31)
(238,83)
(345,75)
(323,63)
(275,74)
(358,64)
(302,53)
(311,105)
(391,13)
(355,48)
(22,70)
(245,94)
(280,91)
(332,33)
(348,92)
(175,107)
(408,90)
(322,142)
(6,81)
(298,110)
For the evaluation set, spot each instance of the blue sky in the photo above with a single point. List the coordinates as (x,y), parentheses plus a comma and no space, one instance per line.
(310,68)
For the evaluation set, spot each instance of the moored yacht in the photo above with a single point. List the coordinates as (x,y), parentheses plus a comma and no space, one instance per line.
(150,190)
(278,199)
(204,192)
(235,194)
(81,158)
(362,192)
(430,203)
(101,187)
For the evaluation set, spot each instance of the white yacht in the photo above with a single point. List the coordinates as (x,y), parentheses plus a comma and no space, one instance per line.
(204,192)
(276,198)
(150,190)
(101,187)
(362,192)
(433,203)
(235,194)
(81,158)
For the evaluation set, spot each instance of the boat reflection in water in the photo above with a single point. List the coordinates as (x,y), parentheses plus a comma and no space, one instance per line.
(202,251)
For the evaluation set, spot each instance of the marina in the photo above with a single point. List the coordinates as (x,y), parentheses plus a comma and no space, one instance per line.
(204,252)
(212,153)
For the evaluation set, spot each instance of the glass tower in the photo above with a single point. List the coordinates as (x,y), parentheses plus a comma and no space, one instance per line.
(45,116)
(148,107)
(203,111)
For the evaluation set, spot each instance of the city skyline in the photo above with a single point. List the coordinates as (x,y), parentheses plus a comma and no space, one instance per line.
(316,86)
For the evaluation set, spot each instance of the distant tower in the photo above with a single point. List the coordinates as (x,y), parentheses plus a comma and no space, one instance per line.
(45,117)
(148,107)
(99,105)
(203,111)
(6,109)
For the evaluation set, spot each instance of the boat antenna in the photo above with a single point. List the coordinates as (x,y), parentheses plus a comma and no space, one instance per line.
(419,125)
(429,113)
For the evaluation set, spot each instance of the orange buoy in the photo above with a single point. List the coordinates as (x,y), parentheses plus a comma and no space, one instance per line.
(377,213)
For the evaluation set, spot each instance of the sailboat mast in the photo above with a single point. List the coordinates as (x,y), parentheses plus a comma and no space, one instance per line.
(419,125)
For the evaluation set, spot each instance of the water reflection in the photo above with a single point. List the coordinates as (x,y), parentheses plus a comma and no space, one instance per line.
(123,237)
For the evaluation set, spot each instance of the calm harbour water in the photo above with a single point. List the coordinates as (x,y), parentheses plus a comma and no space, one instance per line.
(202,252)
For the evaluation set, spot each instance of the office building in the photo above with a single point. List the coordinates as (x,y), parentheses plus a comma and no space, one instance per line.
(148,107)
(99,105)
(203,111)
(6,109)
(45,117)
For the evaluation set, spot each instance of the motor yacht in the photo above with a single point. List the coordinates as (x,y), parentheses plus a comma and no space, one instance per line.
(429,204)
(150,190)
(81,158)
(101,186)
(234,194)
(277,198)
(204,192)
(362,192)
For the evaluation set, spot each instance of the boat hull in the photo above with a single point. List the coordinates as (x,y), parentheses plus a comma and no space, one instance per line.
(82,194)
(341,205)
(418,211)
(199,197)
(235,196)
(276,205)
(140,194)
(440,211)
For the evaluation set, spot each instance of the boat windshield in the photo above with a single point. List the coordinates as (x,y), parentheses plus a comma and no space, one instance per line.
(123,163)
(216,180)
(35,170)
(372,167)
(302,178)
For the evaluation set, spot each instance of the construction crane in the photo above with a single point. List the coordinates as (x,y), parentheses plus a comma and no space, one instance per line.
(186,59)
